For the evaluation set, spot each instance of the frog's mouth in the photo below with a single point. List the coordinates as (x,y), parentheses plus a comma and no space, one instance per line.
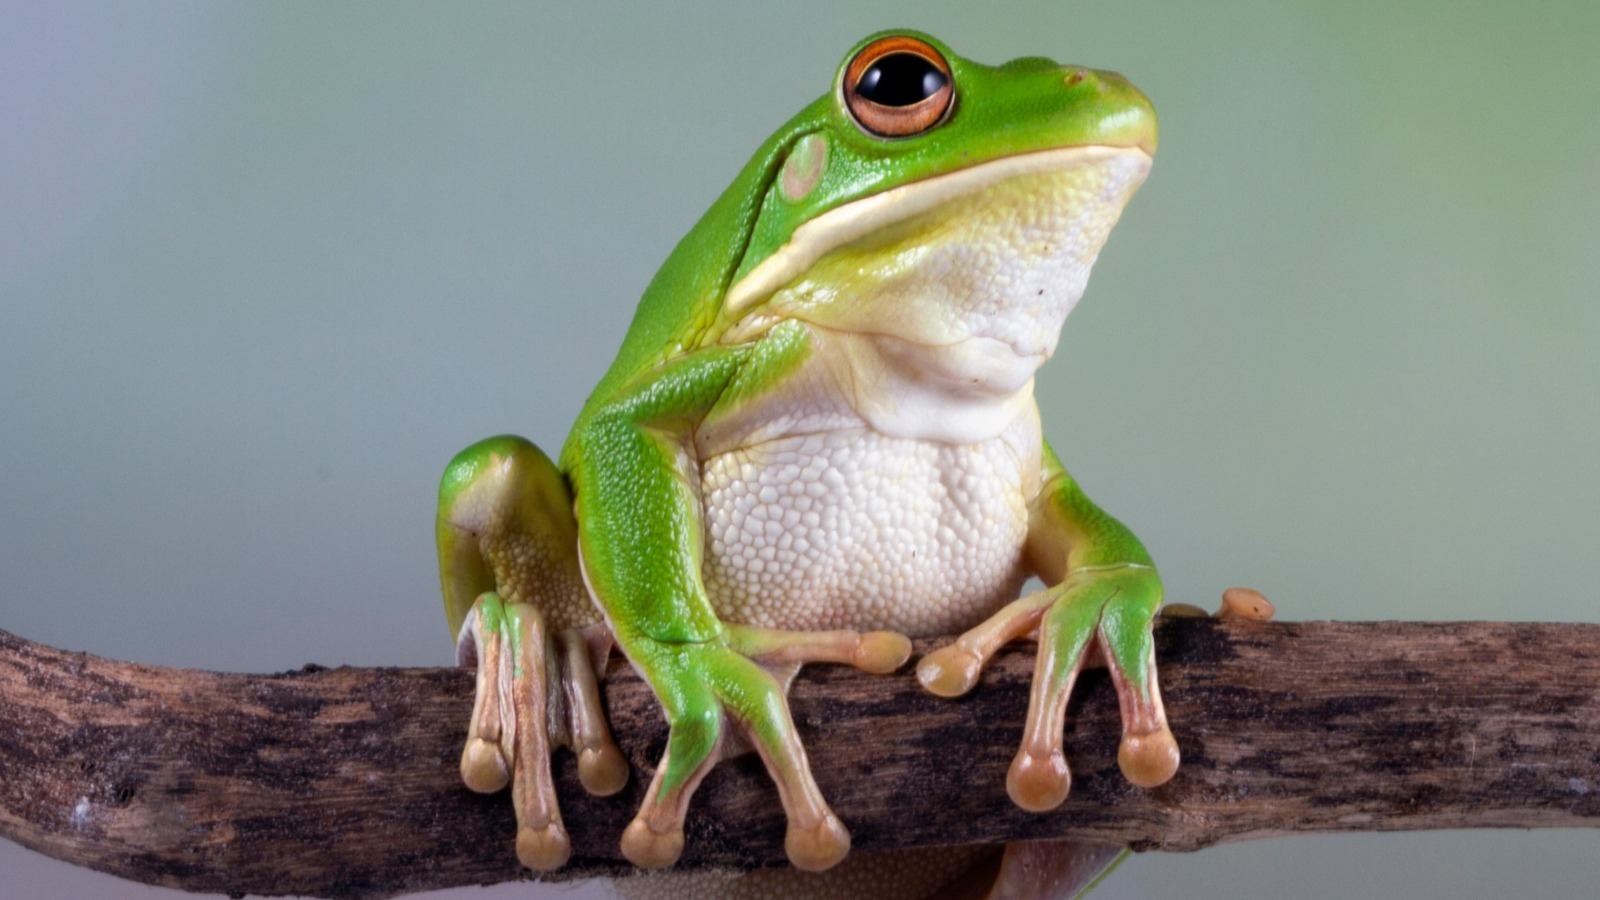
(1000,251)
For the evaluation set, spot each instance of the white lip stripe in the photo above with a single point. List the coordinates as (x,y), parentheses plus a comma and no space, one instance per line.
(837,227)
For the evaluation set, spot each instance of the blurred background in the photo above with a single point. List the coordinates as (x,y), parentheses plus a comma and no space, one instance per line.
(265,268)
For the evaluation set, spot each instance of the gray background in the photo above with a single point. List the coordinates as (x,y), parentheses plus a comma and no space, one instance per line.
(263,269)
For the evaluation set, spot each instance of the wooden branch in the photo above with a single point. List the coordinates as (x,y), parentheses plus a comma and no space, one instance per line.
(343,783)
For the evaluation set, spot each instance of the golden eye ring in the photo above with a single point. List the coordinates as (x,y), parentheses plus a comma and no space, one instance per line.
(898,87)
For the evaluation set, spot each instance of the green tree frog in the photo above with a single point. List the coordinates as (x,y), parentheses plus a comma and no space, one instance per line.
(819,438)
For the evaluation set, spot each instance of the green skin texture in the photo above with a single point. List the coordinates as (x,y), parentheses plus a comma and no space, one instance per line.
(638,522)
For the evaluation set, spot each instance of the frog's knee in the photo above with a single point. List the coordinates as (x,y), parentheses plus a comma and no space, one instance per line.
(505,523)
(503,480)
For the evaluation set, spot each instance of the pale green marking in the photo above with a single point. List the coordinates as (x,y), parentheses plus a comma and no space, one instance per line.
(803,169)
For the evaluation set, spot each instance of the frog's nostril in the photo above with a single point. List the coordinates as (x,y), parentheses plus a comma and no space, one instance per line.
(1073,77)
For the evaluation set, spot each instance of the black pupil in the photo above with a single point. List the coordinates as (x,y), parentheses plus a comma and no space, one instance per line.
(900,79)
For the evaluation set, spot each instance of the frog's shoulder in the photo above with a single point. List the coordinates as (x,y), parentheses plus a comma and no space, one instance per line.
(680,310)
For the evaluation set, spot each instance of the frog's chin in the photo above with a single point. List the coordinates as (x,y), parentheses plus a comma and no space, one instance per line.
(1077,194)
(1001,250)
(964,392)
(977,367)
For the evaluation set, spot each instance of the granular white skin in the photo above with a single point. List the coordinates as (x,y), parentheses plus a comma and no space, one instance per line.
(851,529)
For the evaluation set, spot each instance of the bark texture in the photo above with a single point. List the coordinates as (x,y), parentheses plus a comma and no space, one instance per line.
(343,782)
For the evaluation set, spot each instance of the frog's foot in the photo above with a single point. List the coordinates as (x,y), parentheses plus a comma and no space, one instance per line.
(1246,603)
(1103,612)
(535,691)
(1241,603)
(706,687)
(877,652)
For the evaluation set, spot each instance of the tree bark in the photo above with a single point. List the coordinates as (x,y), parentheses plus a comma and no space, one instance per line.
(343,782)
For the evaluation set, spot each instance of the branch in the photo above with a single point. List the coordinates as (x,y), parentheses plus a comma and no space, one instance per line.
(343,782)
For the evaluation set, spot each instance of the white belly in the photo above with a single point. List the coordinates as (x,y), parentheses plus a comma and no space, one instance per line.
(855,529)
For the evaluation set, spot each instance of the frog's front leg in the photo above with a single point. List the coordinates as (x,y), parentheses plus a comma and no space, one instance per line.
(641,540)
(1101,597)
(515,598)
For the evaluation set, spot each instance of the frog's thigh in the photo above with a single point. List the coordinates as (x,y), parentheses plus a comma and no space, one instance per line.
(505,524)
(508,565)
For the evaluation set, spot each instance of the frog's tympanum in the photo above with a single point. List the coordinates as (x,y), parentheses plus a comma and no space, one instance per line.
(818,439)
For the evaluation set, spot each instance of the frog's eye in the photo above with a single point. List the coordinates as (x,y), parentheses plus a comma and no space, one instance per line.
(898,87)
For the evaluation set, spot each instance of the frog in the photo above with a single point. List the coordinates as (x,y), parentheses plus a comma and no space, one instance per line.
(818,440)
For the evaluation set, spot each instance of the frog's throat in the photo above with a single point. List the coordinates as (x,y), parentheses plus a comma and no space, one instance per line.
(852,221)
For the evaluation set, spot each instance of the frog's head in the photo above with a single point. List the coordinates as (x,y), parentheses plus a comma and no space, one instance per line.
(936,200)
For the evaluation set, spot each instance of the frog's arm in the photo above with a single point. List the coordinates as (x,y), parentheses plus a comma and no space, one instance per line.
(1102,593)
(640,538)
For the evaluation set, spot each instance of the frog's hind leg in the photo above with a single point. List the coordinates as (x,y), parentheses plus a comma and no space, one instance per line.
(513,593)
